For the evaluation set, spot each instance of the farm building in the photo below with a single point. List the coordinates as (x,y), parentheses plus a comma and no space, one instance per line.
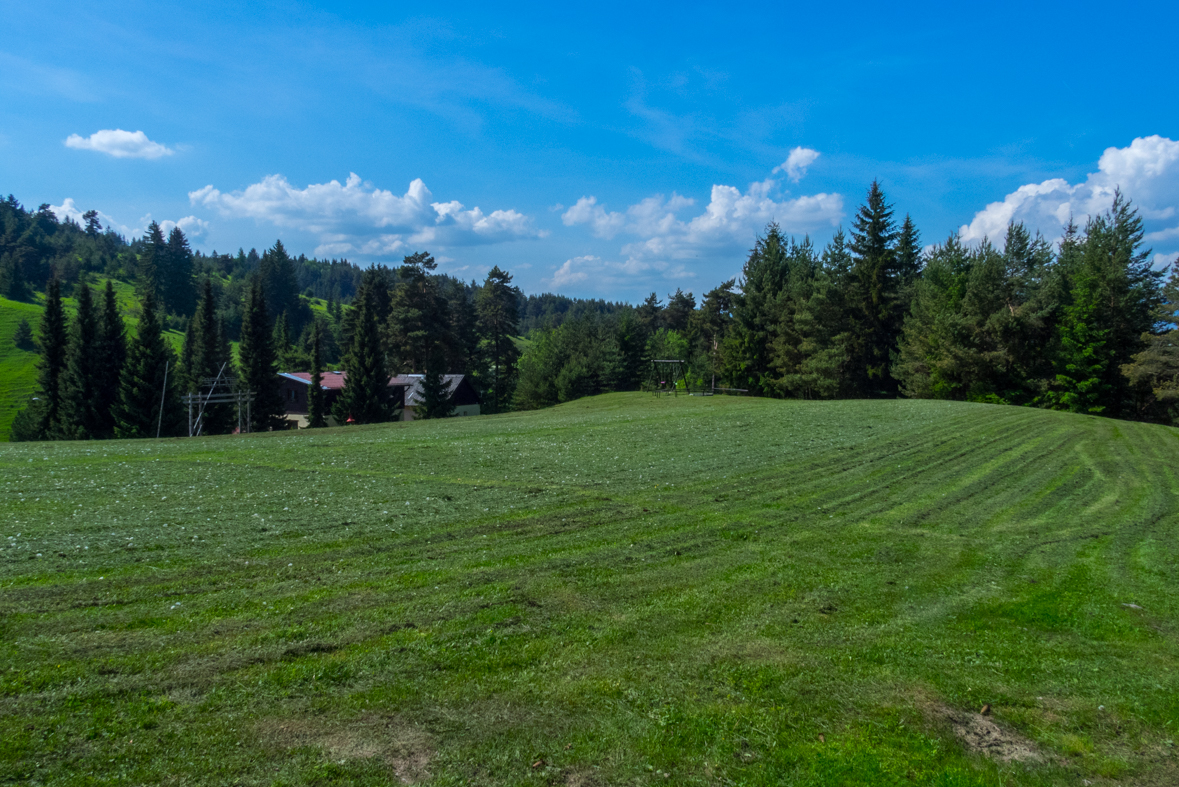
(406,391)
(463,395)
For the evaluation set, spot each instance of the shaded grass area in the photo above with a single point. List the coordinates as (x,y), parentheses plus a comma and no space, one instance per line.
(626,589)
(18,368)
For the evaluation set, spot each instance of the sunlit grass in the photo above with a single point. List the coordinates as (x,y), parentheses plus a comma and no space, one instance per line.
(627,589)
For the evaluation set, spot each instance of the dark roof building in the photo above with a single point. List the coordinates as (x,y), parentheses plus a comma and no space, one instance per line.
(407,394)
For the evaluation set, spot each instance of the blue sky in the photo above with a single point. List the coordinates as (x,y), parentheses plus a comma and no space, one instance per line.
(606,150)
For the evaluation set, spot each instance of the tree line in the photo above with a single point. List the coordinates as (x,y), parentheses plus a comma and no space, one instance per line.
(1087,326)
(94,382)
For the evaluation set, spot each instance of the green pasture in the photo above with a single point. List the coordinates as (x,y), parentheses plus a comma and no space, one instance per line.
(628,589)
(18,368)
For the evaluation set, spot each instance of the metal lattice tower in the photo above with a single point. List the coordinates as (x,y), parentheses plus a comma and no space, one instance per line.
(667,373)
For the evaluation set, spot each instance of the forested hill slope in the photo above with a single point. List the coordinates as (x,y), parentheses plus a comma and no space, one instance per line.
(622,589)
(18,365)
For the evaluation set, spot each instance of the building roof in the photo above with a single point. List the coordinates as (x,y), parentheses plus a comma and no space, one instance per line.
(329,381)
(334,381)
(413,386)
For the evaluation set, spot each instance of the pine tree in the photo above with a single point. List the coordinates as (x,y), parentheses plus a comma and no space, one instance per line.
(755,311)
(365,397)
(176,274)
(908,252)
(1113,301)
(112,356)
(148,382)
(23,337)
(54,343)
(279,282)
(210,359)
(281,338)
(436,401)
(258,372)
(81,418)
(419,318)
(316,407)
(497,305)
(148,272)
(876,305)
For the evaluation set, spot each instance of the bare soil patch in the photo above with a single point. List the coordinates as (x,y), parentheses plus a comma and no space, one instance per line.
(405,749)
(983,735)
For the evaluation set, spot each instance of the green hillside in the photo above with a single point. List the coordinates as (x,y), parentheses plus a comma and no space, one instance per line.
(620,590)
(19,367)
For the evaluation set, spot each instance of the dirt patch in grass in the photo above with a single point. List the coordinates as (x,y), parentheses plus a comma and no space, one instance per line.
(981,734)
(405,749)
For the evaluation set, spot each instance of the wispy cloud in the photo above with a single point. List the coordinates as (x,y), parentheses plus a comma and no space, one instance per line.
(119,144)
(190,225)
(355,217)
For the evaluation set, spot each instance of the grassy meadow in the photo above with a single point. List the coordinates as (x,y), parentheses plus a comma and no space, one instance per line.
(627,589)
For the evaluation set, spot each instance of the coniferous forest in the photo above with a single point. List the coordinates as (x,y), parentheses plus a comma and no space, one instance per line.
(1084,325)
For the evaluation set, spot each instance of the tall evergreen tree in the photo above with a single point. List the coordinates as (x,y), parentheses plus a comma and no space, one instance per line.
(54,342)
(497,305)
(279,282)
(81,418)
(176,274)
(436,401)
(316,406)
(149,401)
(149,273)
(419,319)
(209,358)
(875,299)
(111,352)
(754,312)
(1113,301)
(365,398)
(256,355)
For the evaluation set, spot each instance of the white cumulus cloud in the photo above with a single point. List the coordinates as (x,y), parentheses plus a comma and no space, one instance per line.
(1147,171)
(119,143)
(662,233)
(189,225)
(796,163)
(355,217)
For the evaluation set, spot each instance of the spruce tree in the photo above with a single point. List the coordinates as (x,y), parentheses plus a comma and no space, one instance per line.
(436,401)
(1113,302)
(54,343)
(148,272)
(876,308)
(112,356)
(176,274)
(22,339)
(281,338)
(419,317)
(365,397)
(148,382)
(279,282)
(908,252)
(258,372)
(210,358)
(81,418)
(316,407)
(497,305)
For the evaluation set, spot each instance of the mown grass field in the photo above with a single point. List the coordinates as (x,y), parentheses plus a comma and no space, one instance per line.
(621,590)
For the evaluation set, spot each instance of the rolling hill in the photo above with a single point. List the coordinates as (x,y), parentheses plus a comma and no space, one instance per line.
(626,589)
